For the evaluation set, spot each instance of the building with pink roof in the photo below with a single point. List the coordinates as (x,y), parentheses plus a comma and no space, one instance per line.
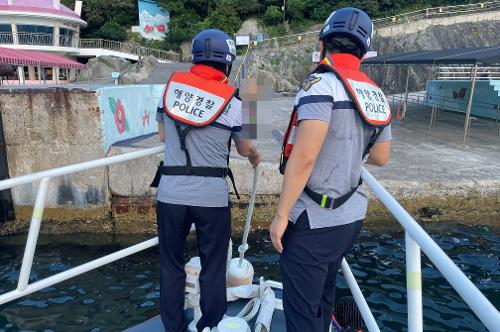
(40,25)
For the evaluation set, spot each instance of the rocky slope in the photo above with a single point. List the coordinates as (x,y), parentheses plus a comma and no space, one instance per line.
(99,69)
(287,65)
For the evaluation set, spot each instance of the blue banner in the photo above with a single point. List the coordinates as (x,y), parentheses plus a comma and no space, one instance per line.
(153,20)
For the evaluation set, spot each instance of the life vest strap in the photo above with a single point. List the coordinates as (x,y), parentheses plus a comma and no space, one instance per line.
(373,139)
(332,203)
(328,202)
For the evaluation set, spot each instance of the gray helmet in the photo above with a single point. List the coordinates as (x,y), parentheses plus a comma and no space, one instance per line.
(350,22)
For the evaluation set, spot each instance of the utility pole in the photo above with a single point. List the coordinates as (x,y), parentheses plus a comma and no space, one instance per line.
(284,11)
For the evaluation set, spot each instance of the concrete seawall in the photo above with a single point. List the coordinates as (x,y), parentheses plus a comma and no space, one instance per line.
(43,130)
(48,127)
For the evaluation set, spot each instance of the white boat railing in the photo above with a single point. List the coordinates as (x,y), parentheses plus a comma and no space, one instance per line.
(416,238)
(44,177)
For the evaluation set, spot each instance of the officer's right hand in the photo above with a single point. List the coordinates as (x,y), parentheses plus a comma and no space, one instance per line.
(255,159)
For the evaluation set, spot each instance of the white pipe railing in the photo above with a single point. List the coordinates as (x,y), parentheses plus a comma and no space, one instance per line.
(23,286)
(414,285)
(479,304)
(416,238)
(65,170)
(76,271)
(366,313)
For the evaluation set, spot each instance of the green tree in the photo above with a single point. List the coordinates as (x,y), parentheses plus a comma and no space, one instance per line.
(295,9)
(248,8)
(273,15)
(223,16)
(183,27)
(111,30)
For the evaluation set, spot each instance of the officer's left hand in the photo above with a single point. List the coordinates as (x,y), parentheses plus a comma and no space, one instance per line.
(255,159)
(277,229)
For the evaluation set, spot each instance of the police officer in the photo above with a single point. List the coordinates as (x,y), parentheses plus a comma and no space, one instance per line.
(341,116)
(198,116)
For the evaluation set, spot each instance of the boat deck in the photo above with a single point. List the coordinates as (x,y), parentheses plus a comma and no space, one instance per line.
(155,324)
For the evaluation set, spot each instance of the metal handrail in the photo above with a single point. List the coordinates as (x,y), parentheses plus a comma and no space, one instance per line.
(464,73)
(244,67)
(25,38)
(45,39)
(424,98)
(436,12)
(129,48)
(414,16)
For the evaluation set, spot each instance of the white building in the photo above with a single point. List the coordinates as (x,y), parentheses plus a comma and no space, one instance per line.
(41,25)
(42,38)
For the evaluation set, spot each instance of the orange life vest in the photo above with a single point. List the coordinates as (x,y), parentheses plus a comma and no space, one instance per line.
(195,101)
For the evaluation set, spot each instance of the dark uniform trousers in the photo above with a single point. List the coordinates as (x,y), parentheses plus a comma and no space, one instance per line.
(309,264)
(213,230)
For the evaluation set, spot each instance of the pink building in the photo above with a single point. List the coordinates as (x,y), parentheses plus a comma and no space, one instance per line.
(41,25)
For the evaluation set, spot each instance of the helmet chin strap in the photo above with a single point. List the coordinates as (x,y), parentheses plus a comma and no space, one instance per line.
(228,70)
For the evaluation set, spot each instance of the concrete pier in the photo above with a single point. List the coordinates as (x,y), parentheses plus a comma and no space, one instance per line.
(430,173)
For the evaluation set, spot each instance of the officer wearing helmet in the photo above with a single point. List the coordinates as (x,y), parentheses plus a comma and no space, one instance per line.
(197,117)
(341,118)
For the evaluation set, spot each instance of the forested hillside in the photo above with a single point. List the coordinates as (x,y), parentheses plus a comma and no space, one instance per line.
(111,19)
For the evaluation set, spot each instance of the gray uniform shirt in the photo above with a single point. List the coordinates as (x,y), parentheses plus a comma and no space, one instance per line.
(338,167)
(207,146)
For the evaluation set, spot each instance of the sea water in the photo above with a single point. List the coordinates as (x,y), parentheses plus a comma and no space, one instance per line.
(126,293)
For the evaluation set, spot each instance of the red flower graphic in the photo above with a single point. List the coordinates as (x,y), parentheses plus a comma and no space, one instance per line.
(149,28)
(120,120)
(145,119)
(161,28)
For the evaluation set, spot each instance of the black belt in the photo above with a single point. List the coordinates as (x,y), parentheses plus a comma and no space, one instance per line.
(328,202)
(214,172)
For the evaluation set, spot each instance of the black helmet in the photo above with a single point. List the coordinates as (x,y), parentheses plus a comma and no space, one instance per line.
(213,45)
(350,22)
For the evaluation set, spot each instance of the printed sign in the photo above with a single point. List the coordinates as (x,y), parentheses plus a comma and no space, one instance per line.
(128,111)
(316,57)
(242,40)
(372,100)
(153,20)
